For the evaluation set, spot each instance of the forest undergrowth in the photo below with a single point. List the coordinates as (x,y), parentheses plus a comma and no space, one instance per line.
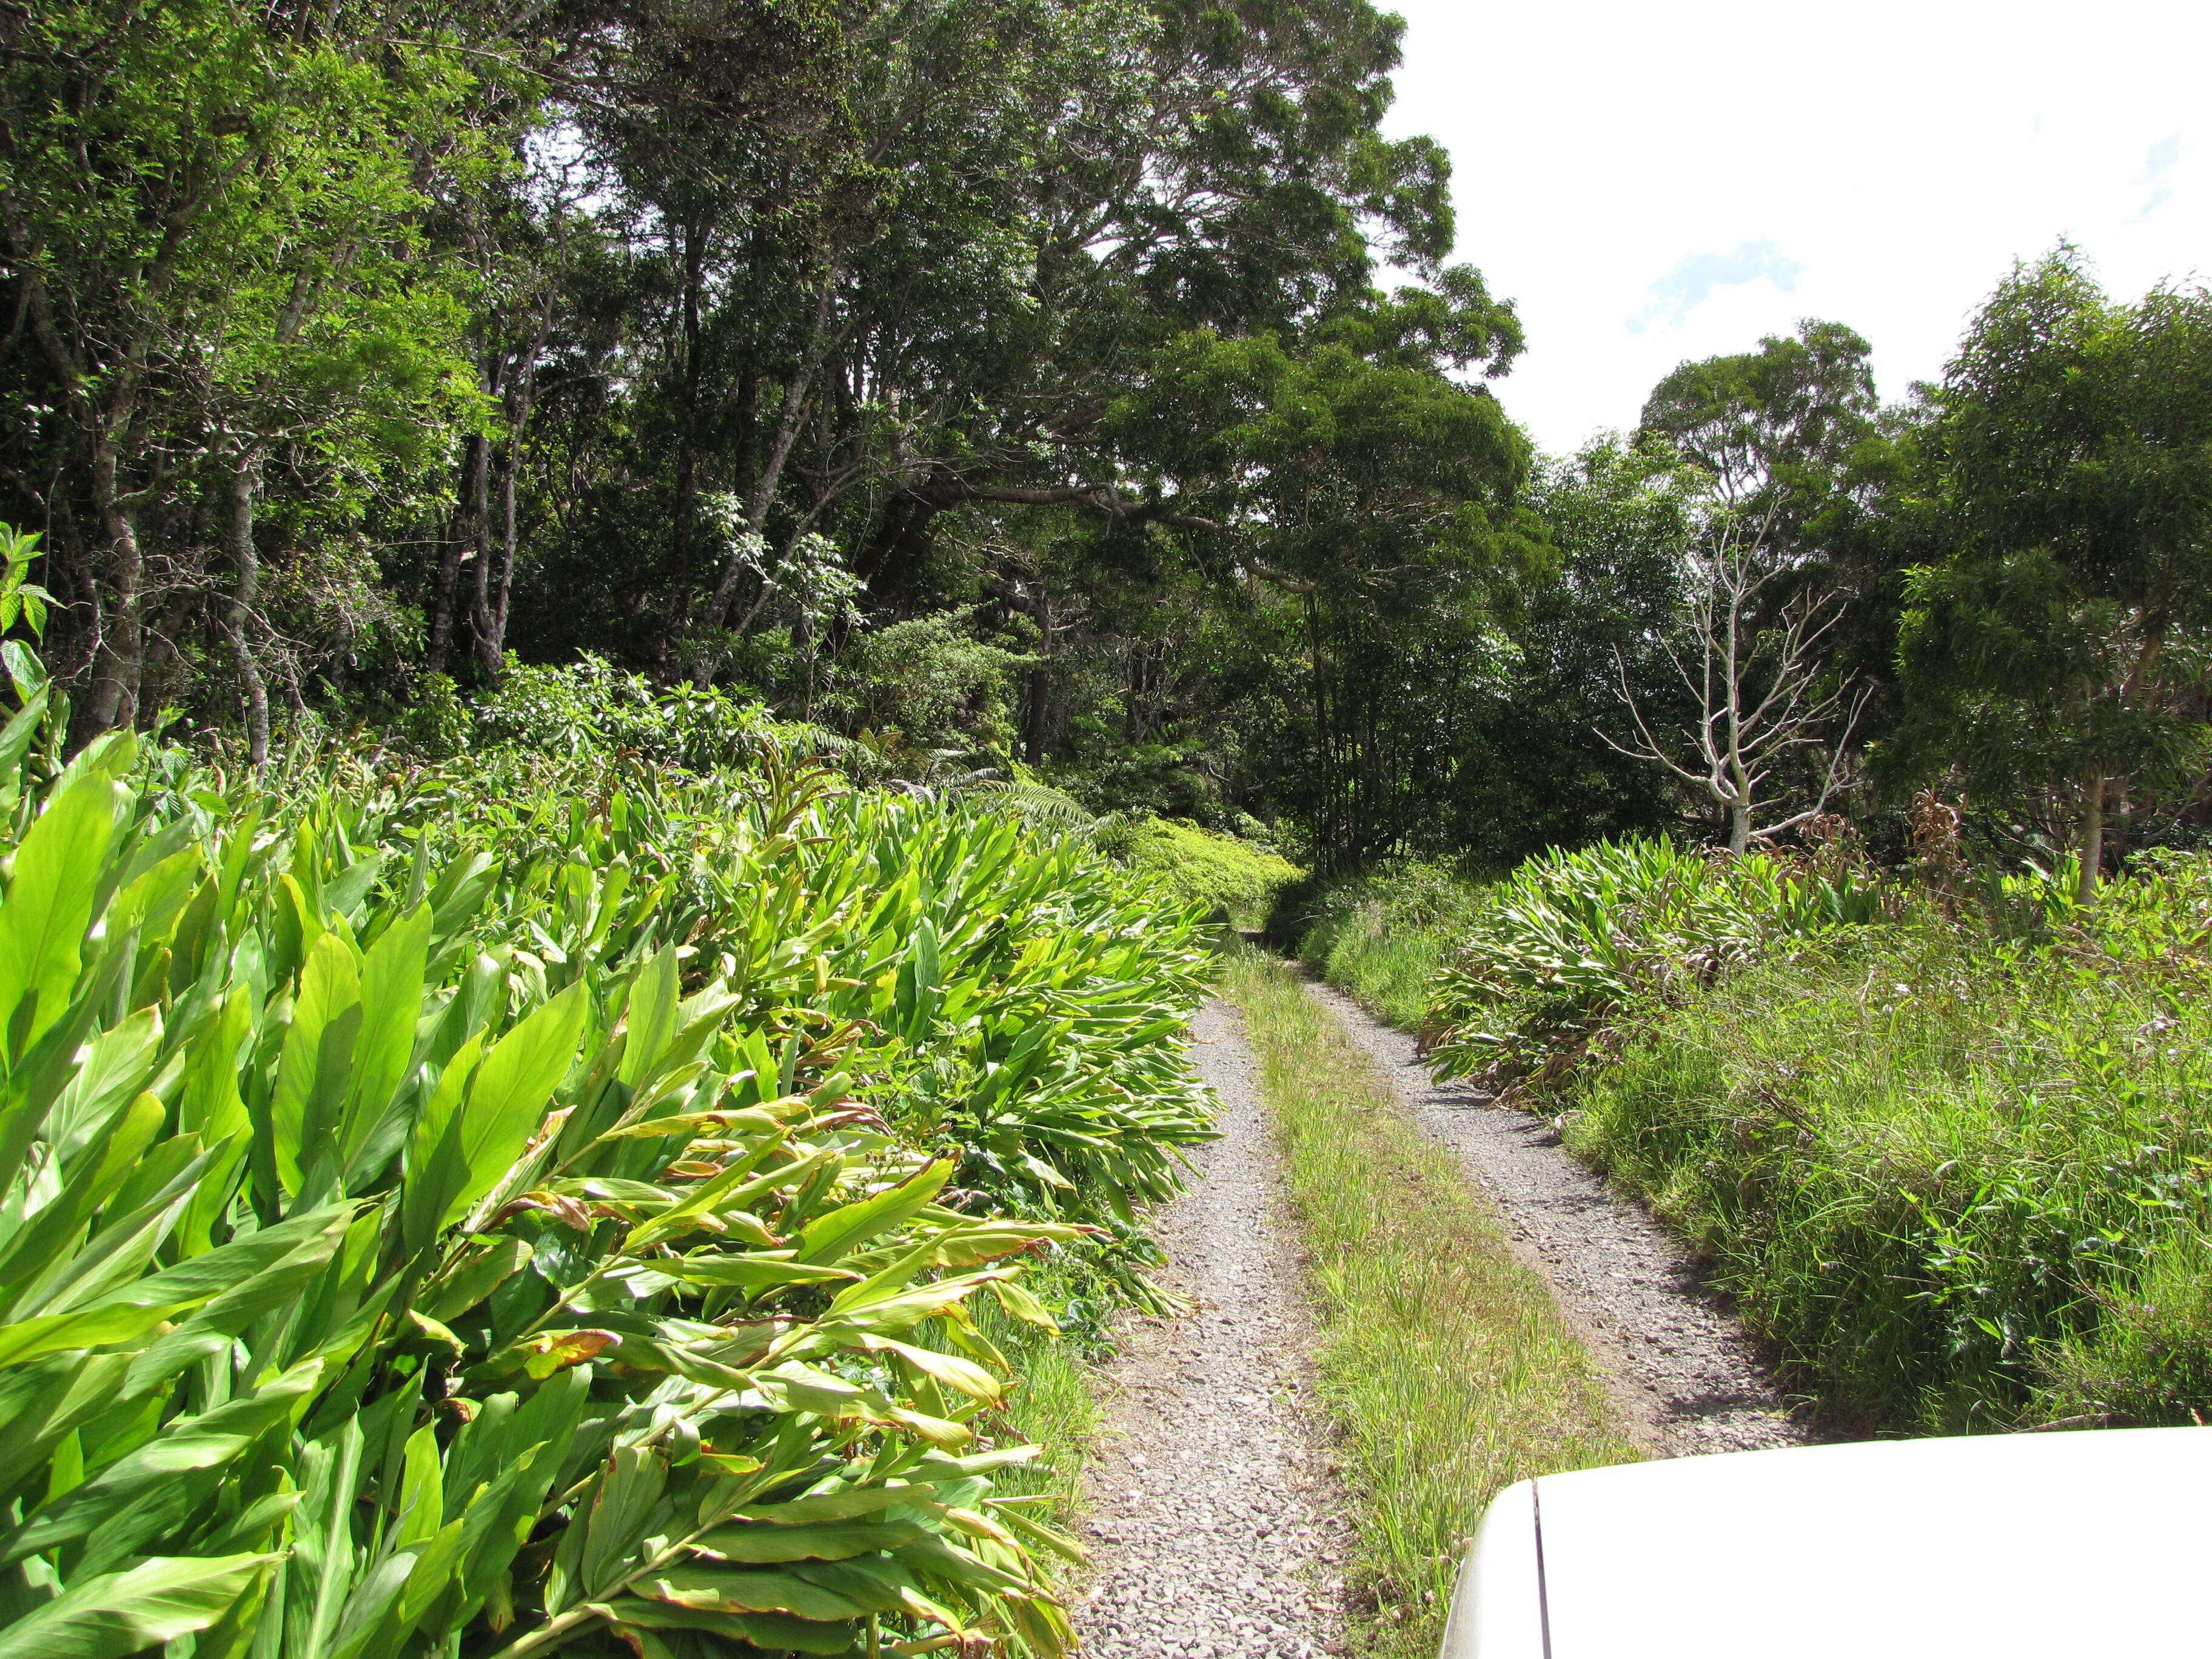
(1947,1140)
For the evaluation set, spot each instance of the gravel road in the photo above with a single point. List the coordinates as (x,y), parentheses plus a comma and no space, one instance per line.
(1682,1372)
(1211,1499)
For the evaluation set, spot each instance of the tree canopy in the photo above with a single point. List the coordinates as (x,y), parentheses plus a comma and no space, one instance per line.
(1081,387)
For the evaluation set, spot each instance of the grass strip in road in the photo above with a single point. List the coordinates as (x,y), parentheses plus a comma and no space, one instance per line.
(1447,1369)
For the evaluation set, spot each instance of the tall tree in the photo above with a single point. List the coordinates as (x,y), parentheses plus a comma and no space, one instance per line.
(211,213)
(1359,479)
(2051,659)
(1774,427)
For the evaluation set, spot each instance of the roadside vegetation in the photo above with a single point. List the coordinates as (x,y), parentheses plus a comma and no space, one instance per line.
(1946,1140)
(1444,1366)
(553,1203)
(1235,880)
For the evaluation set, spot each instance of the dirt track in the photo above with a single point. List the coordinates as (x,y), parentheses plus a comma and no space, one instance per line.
(1211,1499)
(1212,1502)
(1681,1370)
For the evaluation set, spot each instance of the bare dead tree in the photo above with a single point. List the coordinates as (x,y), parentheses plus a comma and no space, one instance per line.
(1757,683)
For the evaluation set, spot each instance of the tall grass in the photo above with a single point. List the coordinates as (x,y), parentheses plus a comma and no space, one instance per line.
(1444,1363)
(1959,1180)
(1949,1145)
(1384,935)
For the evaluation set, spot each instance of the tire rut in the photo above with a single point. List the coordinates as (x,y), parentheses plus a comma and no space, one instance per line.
(1213,1504)
(1683,1373)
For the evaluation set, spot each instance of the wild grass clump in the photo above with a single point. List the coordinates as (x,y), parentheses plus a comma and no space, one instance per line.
(1382,935)
(1960,1179)
(1444,1362)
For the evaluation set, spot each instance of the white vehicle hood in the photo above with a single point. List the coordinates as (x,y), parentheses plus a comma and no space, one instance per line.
(2061,1546)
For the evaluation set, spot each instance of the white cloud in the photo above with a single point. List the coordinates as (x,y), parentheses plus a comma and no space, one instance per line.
(2159,158)
(1691,283)
(1903,153)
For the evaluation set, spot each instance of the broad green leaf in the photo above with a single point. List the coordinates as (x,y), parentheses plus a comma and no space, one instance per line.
(933,1555)
(56,1063)
(833,1235)
(184,1446)
(118,1065)
(833,1506)
(747,1272)
(20,732)
(58,868)
(422,1495)
(251,1277)
(627,1492)
(94,1328)
(123,1613)
(512,1088)
(1017,1300)
(652,1017)
(738,1590)
(728,1191)
(368,1609)
(345,891)
(825,1541)
(968,1378)
(213,1108)
(483,1271)
(437,1163)
(773,1630)
(317,1058)
(107,1165)
(392,1003)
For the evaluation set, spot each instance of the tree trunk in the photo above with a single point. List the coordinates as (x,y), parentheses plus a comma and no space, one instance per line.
(460,535)
(2093,836)
(479,552)
(238,608)
(1739,829)
(762,497)
(1037,716)
(684,527)
(494,644)
(114,700)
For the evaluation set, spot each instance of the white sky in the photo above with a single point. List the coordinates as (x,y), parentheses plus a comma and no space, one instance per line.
(1645,179)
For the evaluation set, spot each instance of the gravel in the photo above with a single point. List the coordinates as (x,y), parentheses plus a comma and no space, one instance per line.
(1681,1370)
(1212,1503)
(1214,1506)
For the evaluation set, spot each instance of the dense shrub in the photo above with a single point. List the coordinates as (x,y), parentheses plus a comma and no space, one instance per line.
(936,683)
(1382,935)
(1233,878)
(590,708)
(1960,1179)
(535,1205)
(1550,955)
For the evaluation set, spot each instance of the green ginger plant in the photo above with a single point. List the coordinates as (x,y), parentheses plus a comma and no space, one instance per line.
(1569,938)
(486,1215)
